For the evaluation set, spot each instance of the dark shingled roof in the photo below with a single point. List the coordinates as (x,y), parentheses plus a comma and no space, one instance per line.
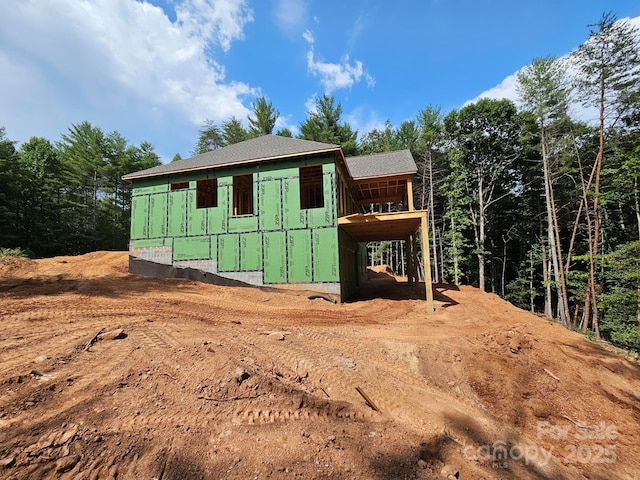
(266,147)
(381,164)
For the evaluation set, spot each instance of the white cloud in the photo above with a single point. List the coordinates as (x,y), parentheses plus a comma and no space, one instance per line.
(507,88)
(334,76)
(291,15)
(310,105)
(285,122)
(356,30)
(219,21)
(308,36)
(364,119)
(84,58)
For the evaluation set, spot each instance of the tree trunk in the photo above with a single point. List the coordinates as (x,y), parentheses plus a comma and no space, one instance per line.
(481,233)
(548,311)
(531,290)
(504,267)
(454,251)
(433,221)
(637,203)
(553,235)
(596,216)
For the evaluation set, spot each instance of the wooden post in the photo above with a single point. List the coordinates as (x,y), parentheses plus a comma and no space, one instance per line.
(414,250)
(426,259)
(410,194)
(409,246)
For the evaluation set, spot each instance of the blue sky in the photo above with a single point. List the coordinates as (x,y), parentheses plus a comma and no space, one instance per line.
(156,70)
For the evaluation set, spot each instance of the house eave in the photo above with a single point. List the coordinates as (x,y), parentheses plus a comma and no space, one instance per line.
(131,177)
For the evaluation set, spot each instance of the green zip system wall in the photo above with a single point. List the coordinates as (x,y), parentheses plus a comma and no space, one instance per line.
(285,242)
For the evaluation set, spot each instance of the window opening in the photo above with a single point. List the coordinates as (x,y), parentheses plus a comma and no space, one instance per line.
(311,187)
(179,186)
(207,193)
(243,194)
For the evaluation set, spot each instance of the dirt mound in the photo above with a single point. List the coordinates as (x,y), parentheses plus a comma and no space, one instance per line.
(105,375)
(380,272)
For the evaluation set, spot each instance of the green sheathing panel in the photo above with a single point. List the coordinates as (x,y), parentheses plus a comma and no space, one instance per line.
(324,217)
(275,257)
(251,251)
(178,213)
(218,215)
(362,261)
(158,215)
(197,217)
(245,223)
(270,205)
(145,187)
(155,242)
(140,217)
(191,248)
(228,253)
(299,253)
(292,216)
(325,255)
(350,263)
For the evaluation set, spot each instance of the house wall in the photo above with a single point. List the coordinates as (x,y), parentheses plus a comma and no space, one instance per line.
(279,244)
(353,264)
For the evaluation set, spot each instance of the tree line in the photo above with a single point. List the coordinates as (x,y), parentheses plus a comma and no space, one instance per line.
(524,201)
(69,197)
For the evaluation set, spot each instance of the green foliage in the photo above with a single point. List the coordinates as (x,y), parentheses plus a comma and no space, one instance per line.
(13,252)
(234,132)
(69,198)
(284,132)
(620,301)
(324,125)
(608,64)
(209,138)
(263,119)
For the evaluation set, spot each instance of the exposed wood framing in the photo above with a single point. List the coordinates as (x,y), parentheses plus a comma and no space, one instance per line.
(410,194)
(396,226)
(426,258)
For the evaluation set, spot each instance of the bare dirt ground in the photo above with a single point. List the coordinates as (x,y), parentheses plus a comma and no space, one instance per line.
(219,382)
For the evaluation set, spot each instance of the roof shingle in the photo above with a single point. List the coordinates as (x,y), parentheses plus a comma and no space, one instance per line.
(381,164)
(257,149)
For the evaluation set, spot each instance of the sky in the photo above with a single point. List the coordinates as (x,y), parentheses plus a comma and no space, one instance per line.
(156,70)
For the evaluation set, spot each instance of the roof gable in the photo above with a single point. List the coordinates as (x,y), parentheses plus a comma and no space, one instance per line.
(265,147)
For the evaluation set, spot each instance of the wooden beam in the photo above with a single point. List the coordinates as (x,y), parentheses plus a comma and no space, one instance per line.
(382,217)
(410,194)
(374,200)
(426,259)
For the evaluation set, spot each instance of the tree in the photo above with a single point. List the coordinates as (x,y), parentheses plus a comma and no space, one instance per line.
(10,188)
(284,132)
(486,134)
(323,125)
(428,142)
(378,141)
(84,153)
(209,138)
(176,157)
(542,90)
(233,132)
(263,119)
(608,75)
(42,198)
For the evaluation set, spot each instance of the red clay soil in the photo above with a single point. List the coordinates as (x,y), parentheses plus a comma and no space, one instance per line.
(109,375)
